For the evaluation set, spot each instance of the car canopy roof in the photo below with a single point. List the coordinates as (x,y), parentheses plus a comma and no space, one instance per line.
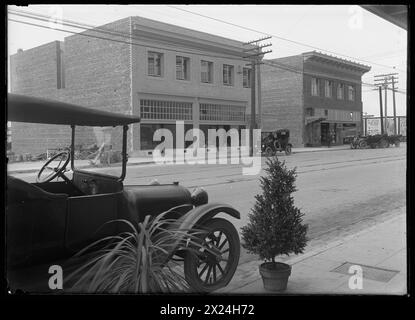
(22,108)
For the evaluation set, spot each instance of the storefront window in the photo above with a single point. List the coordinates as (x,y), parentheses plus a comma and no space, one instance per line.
(147,133)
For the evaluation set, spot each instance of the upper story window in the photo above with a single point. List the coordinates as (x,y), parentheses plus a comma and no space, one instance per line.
(340,91)
(246,78)
(155,64)
(328,89)
(182,68)
(315,87)
(206,73)
(228,75)
(350,93)
(309,112)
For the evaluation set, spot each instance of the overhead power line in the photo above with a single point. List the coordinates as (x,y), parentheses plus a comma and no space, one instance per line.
(117,40)
(70,23)
(130,37)
(282,38)
(127,35)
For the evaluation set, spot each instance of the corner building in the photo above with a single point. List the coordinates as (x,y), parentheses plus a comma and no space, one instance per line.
(316,96)
(161,72)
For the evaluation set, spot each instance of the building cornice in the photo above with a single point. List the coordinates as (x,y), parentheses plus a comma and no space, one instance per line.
(342,63)
(190,39)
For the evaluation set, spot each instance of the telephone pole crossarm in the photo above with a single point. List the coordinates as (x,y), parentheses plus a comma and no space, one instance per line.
(259,40)
(258,47)
(257,54)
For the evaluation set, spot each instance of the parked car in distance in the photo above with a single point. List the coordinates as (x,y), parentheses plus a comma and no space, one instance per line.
(276,141)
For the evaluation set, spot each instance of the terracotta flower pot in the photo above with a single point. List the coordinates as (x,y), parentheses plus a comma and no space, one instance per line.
(275,275)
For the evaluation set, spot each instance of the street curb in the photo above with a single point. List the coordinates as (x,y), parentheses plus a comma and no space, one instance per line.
(250,271)
(328,149)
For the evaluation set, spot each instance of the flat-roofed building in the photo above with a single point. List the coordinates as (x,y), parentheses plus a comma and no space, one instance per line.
(161,72)
(314,95)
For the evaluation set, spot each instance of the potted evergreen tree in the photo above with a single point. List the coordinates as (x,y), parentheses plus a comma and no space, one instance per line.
(275,225)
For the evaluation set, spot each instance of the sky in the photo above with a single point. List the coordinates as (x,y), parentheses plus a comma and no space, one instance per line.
(346,31)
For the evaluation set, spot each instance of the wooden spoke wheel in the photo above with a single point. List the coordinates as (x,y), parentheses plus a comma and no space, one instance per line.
(384,143)
(212,269)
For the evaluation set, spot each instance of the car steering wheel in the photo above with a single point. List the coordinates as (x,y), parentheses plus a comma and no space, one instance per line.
(63,158)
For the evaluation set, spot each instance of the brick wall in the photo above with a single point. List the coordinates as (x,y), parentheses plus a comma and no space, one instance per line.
(97,75)
(153,36)
(286,93)
(34,73)
(282,98)
(336,75)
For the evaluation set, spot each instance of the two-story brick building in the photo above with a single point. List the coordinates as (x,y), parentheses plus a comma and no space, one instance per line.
(136,66)
(314,95)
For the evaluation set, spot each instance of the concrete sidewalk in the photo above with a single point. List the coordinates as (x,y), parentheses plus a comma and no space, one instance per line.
(380,250)
(34,166)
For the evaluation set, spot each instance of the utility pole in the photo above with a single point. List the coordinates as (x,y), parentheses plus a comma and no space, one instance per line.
(253,111)
(381,110)
(386,106)
(258,71)
(384,80)
(395,131)
(255,58)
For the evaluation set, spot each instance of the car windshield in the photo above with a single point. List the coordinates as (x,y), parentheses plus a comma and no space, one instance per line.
(98,149)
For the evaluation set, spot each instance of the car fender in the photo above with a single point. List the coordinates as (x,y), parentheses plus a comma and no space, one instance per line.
(200,214)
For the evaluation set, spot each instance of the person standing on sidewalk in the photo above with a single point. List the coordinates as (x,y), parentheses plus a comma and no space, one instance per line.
(331,138)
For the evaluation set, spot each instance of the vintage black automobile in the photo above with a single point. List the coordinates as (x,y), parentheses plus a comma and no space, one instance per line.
(379,141)
(276,141)
(49,221)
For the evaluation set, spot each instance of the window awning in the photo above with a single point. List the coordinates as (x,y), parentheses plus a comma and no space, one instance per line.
(309,120)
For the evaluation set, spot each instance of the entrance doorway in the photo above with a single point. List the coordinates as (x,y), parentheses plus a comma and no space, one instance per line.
(325,134)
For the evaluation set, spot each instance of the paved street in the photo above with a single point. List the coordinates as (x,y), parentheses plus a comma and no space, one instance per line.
(339,191)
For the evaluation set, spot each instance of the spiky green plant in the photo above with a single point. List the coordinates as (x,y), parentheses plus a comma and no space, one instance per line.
(137,261)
